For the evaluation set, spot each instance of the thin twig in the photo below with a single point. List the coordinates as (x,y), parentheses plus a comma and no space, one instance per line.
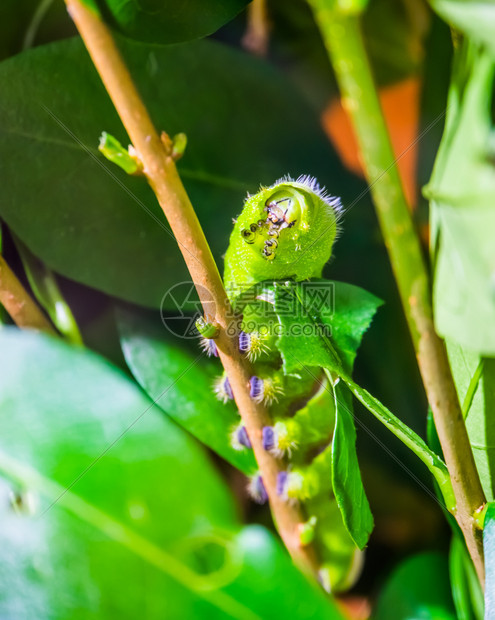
(257,35)
(162,175)
(19,303)
(344,42)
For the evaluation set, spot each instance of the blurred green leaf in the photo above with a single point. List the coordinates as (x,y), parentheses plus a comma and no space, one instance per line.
(418,589)
(84,426)
(466,590)
(87,219)
(461,192)
(102,495)
(273,584)
(156,358)
(489,549)
(475,18)
(169,21)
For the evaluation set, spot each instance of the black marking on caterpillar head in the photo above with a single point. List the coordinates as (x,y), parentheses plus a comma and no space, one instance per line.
(268,253)
(277,219)
(248,234)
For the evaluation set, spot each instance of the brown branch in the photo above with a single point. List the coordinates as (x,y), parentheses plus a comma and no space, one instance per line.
(347,53)
(162,175)
(18,302)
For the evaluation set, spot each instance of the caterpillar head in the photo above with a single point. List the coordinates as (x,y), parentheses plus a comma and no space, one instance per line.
(285,230)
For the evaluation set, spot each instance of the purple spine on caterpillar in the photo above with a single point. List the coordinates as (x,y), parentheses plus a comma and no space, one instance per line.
(262,490)
(282,483)
(256,388)
(244,342)
(209,347)
(223,389)
(242,437)
(228,388)
(257,489)
(268,438)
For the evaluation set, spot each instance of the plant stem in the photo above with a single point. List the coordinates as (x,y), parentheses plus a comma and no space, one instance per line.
(45,288)
(344,42)
(19,304)
(33,27)
(257,35)
(162,175)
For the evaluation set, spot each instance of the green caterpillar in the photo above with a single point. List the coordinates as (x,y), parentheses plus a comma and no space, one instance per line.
(286,231)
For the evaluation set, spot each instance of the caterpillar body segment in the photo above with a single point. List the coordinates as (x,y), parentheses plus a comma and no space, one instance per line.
(286,231)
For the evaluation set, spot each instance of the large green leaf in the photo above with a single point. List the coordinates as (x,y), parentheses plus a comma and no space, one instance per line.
(109,509)
(83,425)
(85,218)
(156,358)
(342,317)
(169,21)
(461,191)
(418,589)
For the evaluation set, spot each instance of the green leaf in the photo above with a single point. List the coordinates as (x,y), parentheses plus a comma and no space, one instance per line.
(475,18)
(111,148)
(418,589)
(104,228)
(346,476)
(271,581)
(311,315)
(101,494)
(466,589)
(158,359)
(169,21)
(489,549)
(346,313)
(462,215)
(80,424)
